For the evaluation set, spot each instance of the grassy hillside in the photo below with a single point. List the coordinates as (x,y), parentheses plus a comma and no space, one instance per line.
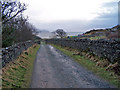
(104,33)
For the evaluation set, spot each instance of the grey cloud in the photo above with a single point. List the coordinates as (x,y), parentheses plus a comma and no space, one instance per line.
(80,26)
(105,20)
(110,4)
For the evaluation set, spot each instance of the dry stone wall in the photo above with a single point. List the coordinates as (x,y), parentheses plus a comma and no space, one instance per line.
(12,52)
(109,49)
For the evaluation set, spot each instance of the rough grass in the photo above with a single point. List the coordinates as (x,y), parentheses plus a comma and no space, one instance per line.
(94,38)
(89,64)
(17,74)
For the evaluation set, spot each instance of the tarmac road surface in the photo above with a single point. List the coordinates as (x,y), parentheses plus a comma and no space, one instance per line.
(53,69)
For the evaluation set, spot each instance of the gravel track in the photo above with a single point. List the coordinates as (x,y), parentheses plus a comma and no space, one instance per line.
(53,69)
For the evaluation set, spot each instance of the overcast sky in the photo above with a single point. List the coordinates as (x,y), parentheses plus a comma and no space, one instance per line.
(72,15)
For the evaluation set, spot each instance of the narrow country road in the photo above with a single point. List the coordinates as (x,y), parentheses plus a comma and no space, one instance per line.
(53,69)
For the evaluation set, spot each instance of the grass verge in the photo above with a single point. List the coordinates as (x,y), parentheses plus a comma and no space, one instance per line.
(17,74)
(90,65)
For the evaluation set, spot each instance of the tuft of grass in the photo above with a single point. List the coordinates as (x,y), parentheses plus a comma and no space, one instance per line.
(17,74)
(90,65)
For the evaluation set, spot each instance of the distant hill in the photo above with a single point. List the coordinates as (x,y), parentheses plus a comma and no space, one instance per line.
(108,33)
(42,31)
(113,29)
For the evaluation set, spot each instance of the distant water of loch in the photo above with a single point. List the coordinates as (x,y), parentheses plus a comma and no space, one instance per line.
(73,33)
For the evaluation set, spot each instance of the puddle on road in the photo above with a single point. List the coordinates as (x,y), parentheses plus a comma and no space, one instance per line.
(53,50)
(51,47)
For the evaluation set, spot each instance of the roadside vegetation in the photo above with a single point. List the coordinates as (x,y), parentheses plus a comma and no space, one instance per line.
(92,63)
(17,74)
